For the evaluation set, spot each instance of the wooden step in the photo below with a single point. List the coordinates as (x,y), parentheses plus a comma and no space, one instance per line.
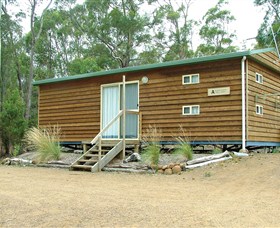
(89,162)
(81,167)
(92,156)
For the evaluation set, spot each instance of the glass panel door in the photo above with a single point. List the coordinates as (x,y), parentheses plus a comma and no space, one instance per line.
(110,109)
(131,93)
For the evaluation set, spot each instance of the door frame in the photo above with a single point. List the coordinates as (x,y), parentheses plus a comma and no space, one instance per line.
(119,105)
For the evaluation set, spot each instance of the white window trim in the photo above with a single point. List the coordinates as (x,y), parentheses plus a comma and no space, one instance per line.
(190,76)
(260,76)
(191,113)
(259,107)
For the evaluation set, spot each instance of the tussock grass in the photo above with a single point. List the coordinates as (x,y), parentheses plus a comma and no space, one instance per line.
(45,142)
(184,147)
(151,140)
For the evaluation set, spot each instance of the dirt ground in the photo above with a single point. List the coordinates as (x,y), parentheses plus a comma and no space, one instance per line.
(236,193)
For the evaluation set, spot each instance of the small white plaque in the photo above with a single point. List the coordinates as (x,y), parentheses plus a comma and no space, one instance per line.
(219,91)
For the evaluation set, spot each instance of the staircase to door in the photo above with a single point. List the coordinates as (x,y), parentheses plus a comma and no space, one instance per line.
(97,157)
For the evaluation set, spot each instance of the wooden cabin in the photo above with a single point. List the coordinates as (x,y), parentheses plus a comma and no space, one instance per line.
(226,99)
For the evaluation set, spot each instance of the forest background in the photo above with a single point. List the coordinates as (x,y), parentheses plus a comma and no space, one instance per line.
(66,38)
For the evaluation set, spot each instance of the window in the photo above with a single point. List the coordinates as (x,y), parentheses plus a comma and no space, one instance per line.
(191,110)
(259,78)
(259,109)
(190,79)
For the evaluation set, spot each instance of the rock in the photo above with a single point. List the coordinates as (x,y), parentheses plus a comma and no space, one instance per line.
(176,169)
(6,161)
(160,171)
(171,165)
(168,171)
(135,157)
(78,151)
(160,166)
(183,166)
(164,167)
(67,150)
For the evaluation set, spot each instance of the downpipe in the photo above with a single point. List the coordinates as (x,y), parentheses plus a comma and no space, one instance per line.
(243,82)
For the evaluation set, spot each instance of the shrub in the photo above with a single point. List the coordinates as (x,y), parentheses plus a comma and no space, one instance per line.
(45,142)
(151,141)
(12,121)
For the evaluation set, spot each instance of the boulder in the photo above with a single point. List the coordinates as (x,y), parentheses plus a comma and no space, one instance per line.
(135,157)
(160,171)
(176,169)
(168,171)
(183,166)
(164,167)
(78,151)
(171,165)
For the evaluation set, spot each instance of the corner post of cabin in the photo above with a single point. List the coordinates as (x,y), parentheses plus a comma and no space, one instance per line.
(124,116)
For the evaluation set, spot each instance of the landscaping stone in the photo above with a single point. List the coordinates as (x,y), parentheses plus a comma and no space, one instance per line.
(176,169)
(168,171)
(135,157)
(171,165)
(160,171)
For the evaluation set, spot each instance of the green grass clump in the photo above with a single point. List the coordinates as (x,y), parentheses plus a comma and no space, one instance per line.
(217,150)
(151,141)
(45,142)
(276,150)
(184,148)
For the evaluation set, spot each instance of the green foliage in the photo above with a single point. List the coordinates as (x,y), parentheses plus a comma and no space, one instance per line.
(276,150)
(45,142)
(12,122)
(16,151)
(214,32)
(271,20)
(217,150)
(184,148)
(151,141)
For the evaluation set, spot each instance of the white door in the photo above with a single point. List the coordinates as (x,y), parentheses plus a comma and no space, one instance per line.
(111,105)
(110,108)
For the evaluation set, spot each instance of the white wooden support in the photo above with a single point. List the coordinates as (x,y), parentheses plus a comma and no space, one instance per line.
(124,117)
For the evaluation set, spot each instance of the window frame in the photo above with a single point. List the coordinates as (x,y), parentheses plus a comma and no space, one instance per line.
(259,78)
(191,81)
(259,109)
(191,110)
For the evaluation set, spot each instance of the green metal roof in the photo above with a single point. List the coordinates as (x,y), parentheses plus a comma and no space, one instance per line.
(155,66)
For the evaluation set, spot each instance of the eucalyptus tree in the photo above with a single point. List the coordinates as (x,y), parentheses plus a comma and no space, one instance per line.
(174,29)
(270,23)
(35,35)
(215,35)
(13,51)
(118,27)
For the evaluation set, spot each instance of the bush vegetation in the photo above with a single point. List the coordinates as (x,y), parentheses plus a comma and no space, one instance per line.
(184,147)
(151,141)
(12,122)
(45,142)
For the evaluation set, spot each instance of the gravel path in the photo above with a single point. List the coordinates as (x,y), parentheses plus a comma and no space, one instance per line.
(237,193)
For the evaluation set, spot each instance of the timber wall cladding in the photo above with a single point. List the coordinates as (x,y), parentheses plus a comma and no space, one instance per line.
(161,102)
(74,106)
(264,127)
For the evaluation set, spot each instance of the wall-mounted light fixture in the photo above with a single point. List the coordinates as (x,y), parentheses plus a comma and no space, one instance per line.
(145,79)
